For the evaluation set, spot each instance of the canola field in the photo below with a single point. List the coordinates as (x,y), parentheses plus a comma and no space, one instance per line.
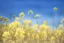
(27,32)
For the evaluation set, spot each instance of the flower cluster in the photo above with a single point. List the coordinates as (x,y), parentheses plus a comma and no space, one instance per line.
(27,32)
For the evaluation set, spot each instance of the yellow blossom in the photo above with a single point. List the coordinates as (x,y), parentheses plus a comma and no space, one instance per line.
(37,36)
(36,26)
(55,8)
(44,27)
(6,34)
(27,21)
(52,38)
(28,34)
(30,12)
(14,24)
(20,33)
(22,15)
(17,18)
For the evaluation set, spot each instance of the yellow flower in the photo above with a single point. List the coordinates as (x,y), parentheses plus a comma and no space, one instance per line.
(44,27)
(6,34)
(58,33)
(14,24)
(37,36)
(36,16)
(27,22)
(33,36)
(45,22)
(40,26)
(45,33)
(17,18)
(52,38)
(22,15)
(28,34)
(55,8)
(22,36)
(30,12)
(20,33)
(36,26)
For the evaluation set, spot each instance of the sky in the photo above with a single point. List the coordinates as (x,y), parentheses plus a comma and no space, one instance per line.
(41,7)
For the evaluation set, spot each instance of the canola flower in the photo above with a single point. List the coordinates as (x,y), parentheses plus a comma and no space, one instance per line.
(27,21)
(6,34)
(44,27)
(36,16)
(30,12)
(45,22)
(58,33)
(28,33)
(14,24)
(21,15)
(19,33)
(37,36)
(52,38)
(55,8)
(44,33)
(35,26)
(17,18)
